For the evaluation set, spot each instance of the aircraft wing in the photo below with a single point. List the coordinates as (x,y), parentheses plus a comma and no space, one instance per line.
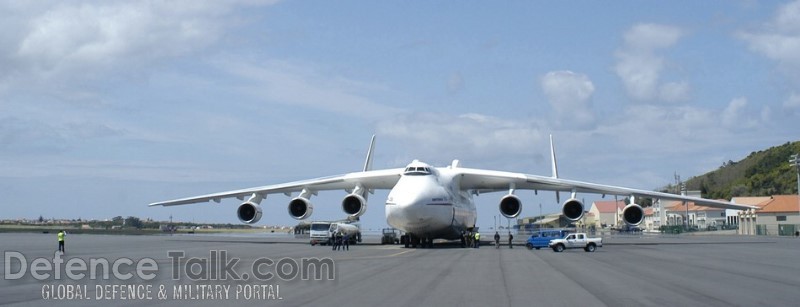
(370,180)
(492,181)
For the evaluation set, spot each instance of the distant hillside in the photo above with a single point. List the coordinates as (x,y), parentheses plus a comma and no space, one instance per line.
(762,173)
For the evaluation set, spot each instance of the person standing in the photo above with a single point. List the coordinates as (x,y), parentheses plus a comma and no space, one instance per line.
(496,239)
(477,239)
(346,242)
(61,235)
(335,241)
(510,239)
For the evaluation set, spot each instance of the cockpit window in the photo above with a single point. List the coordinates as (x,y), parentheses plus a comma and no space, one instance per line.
(417,171)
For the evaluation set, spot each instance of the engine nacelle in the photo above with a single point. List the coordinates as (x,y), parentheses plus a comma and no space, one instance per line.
(572,209)
(633,214)
(300,208)
(510,206)
(249,212)
(354,205)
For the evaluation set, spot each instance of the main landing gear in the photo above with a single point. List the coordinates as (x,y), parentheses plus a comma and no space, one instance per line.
(411,240)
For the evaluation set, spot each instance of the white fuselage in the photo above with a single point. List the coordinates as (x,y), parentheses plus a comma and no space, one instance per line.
(429,204)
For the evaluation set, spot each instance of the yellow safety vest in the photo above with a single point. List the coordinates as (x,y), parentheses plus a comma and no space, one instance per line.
(60,236)
(477,236)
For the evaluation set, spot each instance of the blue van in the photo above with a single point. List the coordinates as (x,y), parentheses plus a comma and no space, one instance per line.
(542,238)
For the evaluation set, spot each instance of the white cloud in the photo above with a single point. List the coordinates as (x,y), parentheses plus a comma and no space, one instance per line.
(648,37)
(29,136)
(778,39)
(640,67)
(470,137)
(300,85)
(76,39)
(37,137)
(670,125)
(793,102)
(570,96)
(674,91)
(732,115)
(766,114)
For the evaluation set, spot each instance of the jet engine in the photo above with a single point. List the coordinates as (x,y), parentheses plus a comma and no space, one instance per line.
(633,214)
(249,212)
(572,209)
(354,205)
(300,208)
(510,206)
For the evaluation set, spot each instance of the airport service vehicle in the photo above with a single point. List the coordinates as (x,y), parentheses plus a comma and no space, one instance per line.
(542,238)
(429,202)
(390,236)
(576,240)
(346,230)
(320,233)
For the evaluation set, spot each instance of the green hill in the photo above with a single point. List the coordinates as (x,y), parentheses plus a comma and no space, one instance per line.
(762,173)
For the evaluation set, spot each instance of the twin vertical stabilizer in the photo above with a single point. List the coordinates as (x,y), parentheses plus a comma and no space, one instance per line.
(553,157)
(555,167)
(368,162)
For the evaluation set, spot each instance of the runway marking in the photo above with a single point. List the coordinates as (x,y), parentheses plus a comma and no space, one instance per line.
(390,247)
(400,253)
(378,257)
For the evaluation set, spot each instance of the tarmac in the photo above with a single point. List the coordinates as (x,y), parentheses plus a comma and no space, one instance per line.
(630,270)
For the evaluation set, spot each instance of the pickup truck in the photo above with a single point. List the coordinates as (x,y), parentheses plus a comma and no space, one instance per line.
(576,240)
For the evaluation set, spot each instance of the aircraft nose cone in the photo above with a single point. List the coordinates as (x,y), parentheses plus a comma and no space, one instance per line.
(406,212)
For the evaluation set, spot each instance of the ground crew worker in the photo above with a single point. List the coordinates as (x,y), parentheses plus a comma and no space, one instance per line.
(339,241)
(510,238)
(496,239)
(477,239)
(333,241)
(61,235)
(346,242)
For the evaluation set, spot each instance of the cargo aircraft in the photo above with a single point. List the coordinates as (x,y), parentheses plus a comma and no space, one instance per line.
(436,202)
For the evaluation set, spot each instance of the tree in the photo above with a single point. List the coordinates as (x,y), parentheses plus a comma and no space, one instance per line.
(134,222)
(738,190)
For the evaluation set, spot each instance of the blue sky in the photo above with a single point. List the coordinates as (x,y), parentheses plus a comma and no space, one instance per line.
(107,106)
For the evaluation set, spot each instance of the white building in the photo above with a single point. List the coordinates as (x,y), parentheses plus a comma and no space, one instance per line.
(697,216)
(779,215)
(608,213)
